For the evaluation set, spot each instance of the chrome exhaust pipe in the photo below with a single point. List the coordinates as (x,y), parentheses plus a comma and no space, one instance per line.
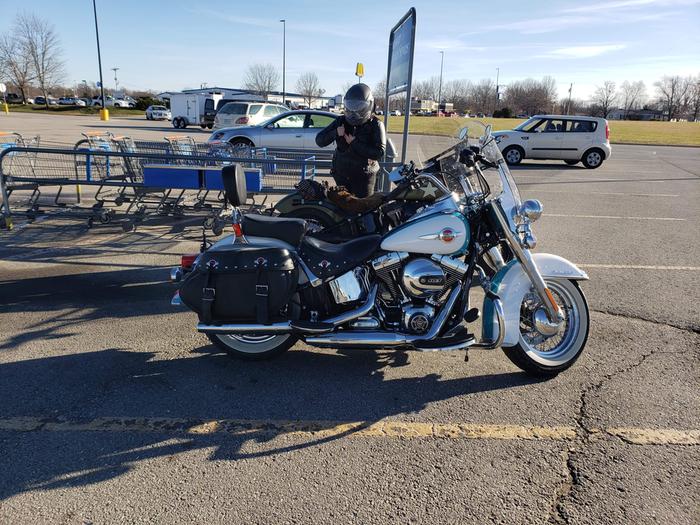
(288,326)
(378,339)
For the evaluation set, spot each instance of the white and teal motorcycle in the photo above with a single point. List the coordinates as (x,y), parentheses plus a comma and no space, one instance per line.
(260,291)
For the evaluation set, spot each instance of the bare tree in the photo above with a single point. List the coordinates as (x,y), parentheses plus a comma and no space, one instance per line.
(379,94)
(604,99)
(694,90)
(261,78)
(532,96)
(671,92)
(16,62)
(44,49)
(632,94)
(309,87)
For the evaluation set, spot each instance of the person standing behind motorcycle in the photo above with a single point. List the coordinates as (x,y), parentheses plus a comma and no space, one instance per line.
(360,141)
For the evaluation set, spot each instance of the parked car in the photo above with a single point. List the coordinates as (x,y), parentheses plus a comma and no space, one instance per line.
(97,101)
(13,98)
(53,101)
(567,138)
(291,130)
(123,103)
(67,101)
(379,112)
(234,114)
(158,113)
(39,101)
(396,113)
(80,102)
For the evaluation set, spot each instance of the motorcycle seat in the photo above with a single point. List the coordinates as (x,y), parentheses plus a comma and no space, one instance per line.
(290,231)
(326,259)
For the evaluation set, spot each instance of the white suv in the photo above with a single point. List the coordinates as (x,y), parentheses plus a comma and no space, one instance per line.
(234,114)
(562,137)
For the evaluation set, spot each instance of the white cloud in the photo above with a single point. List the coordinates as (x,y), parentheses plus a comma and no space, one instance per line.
(584,51)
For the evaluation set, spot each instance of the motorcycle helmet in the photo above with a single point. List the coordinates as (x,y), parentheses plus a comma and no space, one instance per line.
(359,104)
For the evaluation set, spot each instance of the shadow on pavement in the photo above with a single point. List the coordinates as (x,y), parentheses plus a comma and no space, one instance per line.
(207,385)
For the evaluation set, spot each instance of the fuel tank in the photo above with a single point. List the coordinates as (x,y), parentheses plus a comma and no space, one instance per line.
(443,233)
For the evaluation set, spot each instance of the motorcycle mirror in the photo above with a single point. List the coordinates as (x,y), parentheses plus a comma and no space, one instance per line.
(487,131)
(463,133)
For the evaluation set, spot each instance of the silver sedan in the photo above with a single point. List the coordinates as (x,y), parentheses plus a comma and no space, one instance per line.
(294,130)
(290,130)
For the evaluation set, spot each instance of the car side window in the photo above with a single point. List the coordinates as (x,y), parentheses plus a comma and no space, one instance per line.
(318,121)
(254,109)
(290,121)
(582,126)
(535,127)
(270,111)
(554,126)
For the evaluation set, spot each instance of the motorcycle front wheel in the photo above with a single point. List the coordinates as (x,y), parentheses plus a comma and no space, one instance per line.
(543,356)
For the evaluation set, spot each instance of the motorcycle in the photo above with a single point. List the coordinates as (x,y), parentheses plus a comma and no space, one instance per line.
(260,291)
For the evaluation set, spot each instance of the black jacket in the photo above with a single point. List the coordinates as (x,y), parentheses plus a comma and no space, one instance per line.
(363,154)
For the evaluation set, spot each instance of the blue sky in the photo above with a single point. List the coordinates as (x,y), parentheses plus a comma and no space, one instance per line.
(176,44)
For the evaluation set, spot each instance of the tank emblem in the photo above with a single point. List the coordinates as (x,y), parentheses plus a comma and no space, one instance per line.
(447,235)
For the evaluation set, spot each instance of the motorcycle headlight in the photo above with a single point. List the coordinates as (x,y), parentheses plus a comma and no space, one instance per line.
(532,209)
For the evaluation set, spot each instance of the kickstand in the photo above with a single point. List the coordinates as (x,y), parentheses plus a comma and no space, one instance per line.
(466,355)
(205,243)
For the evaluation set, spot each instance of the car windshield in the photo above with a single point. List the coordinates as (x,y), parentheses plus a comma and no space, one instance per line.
(158,108)
(529,124)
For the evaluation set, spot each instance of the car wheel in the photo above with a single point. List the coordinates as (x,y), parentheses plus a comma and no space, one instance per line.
(571,162)
(513,155)
(593,158)
(241,147)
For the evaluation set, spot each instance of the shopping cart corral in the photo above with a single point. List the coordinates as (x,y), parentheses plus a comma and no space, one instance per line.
(137,180)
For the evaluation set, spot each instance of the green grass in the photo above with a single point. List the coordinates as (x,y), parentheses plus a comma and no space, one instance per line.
(621,131)
(71,110)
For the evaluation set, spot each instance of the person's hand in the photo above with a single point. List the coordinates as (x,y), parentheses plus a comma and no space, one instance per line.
(349,138)
(341,130)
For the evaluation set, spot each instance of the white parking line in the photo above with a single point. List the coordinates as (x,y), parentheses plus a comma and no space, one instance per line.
(610,193)
(612,217)
(637,267)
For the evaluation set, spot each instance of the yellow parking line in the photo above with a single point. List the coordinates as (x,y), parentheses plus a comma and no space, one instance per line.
(330,429)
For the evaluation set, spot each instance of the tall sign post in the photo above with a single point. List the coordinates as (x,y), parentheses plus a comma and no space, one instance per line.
(399,71)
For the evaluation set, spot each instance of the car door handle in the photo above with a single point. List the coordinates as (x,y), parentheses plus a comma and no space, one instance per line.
(298,136)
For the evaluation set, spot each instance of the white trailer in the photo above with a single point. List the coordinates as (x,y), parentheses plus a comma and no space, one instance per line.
(194,109)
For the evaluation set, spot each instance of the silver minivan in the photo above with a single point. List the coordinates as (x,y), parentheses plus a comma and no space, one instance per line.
(234,114)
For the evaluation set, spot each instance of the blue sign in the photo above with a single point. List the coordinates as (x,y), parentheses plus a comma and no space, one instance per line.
(401,42)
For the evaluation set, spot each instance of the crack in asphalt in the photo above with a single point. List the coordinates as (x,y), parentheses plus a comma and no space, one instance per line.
(691,329)
(585,436)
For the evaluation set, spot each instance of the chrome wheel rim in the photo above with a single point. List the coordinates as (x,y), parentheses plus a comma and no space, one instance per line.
(593,158)
(565,344)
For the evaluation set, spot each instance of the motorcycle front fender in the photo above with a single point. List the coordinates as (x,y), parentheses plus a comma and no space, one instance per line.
(511,284)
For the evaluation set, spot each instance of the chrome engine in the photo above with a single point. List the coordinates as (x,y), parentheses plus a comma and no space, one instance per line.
(414,288)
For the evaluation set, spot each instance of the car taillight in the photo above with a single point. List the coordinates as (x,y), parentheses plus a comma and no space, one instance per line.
(242,120)
(607,131)
(186,261)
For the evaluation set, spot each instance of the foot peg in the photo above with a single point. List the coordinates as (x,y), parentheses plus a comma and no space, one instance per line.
(310,327)
(472,315)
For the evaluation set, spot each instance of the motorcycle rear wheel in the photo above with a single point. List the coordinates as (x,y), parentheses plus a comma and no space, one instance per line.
(252,347)
(547,357)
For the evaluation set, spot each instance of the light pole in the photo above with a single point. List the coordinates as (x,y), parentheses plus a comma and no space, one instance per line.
(442,59)
(284,60)
(104,114)
(116,83)
(495,101)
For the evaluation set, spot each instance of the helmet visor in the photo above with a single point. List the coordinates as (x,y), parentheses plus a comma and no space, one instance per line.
(357,112)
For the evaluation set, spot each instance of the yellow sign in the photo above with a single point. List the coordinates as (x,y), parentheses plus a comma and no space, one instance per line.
(360,70)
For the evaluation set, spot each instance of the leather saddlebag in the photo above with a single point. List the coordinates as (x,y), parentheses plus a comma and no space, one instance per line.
(241,283)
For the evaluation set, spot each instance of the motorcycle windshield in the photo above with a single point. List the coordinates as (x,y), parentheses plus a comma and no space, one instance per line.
(500,178)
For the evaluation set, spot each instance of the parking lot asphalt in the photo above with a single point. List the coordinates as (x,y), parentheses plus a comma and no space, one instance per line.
(115,410)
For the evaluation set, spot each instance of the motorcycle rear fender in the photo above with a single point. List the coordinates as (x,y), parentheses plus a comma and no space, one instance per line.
(511,283)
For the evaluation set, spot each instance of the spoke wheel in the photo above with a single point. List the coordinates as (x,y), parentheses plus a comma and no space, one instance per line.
(543,354)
